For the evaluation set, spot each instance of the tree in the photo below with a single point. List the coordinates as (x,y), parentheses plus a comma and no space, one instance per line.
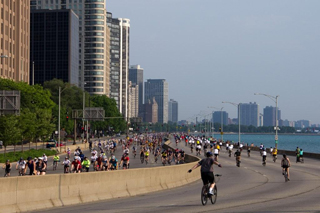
(10,133)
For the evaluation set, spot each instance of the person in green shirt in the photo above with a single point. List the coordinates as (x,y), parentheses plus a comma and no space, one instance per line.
(86,164)
(56,159)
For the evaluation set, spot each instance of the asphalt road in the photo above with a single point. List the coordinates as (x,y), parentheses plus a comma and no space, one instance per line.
(250,188)
(134,162)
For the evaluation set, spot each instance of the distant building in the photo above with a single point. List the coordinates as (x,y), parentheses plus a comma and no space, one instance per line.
(269,116)
(249,114)
(54,46)
(173,111)
(260,119)
(286,123)
(136,77)
(133,100)
(14,45)
(158,89)
(302,124)
(151,111)
(216,117)
(119,57)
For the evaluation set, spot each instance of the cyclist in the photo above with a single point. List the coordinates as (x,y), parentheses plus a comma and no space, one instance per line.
(249,150)
(134,151)
(68,152)
(41,166)
(207,170)
(66,165)
(56,159)
(164,157)
(86,164)
(264,155)
(31,165)
(104,162)
(21,164)
(285,164)
(274,154)
(7,168)
(45,158)
(298,154)
(146,155)
(125,161)
(76,166)
(216,153)
(113,162)
(301,155)
(237,154)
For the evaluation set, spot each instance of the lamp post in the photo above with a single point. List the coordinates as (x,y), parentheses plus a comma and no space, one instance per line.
(221,123)
(236,105)
(32,72)
(275,99)
(59,117)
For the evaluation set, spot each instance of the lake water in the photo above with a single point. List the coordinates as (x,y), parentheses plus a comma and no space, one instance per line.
(309,143)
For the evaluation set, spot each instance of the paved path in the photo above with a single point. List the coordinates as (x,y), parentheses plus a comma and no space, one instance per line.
(250,188)
(134,162)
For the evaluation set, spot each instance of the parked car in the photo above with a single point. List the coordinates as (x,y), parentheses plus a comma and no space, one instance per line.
(53,143)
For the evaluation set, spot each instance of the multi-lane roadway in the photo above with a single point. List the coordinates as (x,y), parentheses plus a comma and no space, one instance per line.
(250,188)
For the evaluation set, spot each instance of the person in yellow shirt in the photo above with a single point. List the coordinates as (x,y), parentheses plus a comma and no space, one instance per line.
(274,154)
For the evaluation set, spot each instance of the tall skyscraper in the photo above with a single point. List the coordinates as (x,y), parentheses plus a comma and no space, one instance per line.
(133,100)
(54,45)
(119,51)
(150,111)
(249,114)
(94,41)
(158,89)
(14,39)
(173,111)
(216,117)
(136,77)
(269,116)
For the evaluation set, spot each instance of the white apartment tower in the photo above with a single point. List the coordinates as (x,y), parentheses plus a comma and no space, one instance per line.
(94,41)
(119,62)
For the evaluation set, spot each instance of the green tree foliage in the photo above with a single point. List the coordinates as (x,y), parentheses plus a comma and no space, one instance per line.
(109,105)
(35,113)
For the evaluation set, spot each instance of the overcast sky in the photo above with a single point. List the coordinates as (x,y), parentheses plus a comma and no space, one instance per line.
(211,51)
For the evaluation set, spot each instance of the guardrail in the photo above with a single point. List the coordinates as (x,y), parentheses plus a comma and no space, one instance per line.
(29,193)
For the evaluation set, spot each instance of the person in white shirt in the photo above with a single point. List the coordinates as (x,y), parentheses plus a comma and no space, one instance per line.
(216,154)
(45,159)
(21,165)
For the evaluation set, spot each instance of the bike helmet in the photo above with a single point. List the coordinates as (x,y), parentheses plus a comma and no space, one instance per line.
(21,158)
(113,157)
(29,158)
(284,155)
(8,160)
(209,154)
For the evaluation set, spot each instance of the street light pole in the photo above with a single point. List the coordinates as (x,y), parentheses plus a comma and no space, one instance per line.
(275,99)
(59,119)
(221,124)
(32,72)
(236,105)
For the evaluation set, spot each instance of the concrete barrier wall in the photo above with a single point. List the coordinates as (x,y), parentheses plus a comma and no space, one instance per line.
(28,193)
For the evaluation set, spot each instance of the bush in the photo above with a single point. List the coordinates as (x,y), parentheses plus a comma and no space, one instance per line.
(15,157)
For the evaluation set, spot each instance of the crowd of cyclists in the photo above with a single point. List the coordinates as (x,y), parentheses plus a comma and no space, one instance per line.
(102,156)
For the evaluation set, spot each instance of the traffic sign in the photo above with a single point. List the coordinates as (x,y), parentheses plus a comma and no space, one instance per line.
(276,141)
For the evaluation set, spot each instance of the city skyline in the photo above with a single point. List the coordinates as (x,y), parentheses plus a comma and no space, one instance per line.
(266,47)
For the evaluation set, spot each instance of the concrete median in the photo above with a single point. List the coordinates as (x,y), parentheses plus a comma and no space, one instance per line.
(20,194)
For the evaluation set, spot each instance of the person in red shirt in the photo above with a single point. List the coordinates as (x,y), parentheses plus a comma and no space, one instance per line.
(76,166)
(125,161)
(99,163)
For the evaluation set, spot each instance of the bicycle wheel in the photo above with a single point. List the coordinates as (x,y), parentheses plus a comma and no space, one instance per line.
(213,198)
(204,197)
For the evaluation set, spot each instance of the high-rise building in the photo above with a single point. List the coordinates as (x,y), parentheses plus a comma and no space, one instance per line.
(173,111)
(302,124)
(158,89)
(249,114)
(150,111)
(216,117)
(14,39)
(54,46)
(94,41)
(136,77)
(269,116)
(119,61)
(133,100)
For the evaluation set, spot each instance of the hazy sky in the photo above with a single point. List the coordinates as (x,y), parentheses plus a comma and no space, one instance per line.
(212,51)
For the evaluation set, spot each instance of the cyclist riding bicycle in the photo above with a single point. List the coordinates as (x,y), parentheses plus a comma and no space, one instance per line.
(86,164)
(207,170)
(66,165)
(274,153)
(113,162)
(56,159)
(285,164)
(21,165)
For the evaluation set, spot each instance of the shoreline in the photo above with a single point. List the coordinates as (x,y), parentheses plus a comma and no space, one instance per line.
(256,133)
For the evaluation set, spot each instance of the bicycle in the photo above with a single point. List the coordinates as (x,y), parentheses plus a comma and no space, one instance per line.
(142,159)
(274,158)
(248,154)
(286,175)
(21,172)
(205,193)
(164,161)
(55,164)
(156,159)
(264,163)
(301,160)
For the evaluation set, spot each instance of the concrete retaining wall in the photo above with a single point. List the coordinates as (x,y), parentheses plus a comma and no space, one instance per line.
(21,194)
